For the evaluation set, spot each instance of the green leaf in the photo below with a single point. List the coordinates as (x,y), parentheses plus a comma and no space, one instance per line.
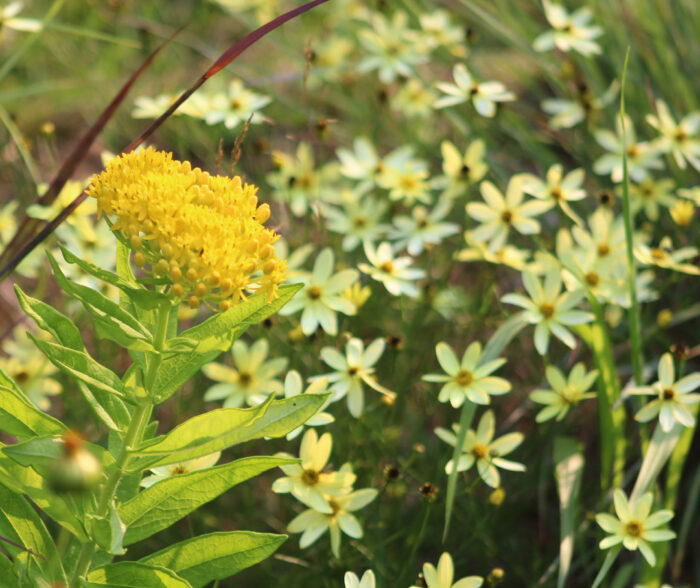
(133,574)
(64,509)
(19,417)
(42,452)
(117,323)
(19,523)
(568,469)
(108,531)
(218,429)
(168,500)
(81,366)
(7,573)
(216,556)
(213,336)
(49,319)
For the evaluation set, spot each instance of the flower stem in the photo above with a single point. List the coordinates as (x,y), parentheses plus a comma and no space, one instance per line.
(139,422)
(465,420)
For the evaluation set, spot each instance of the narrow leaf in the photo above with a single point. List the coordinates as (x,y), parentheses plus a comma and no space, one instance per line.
(568,469)
(19,523)
(216,556)
(133,574)
(168,500)
(218,429)
(19,417)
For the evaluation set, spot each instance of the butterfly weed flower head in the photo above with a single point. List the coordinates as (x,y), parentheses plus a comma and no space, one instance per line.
(202,233)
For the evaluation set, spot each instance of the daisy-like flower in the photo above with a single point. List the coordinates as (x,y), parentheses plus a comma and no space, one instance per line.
(392,47)
(439,30)
(195,106)
(251,381)
(498,214)
(352,370)
(641,157)
(481,449)
(665,257)
(413,99)
(423,227)
(557,187)
(28,367)
(467,379)
(634,526)
(392,271)
(293,386)
(679,139)
(461,170)
(182,467)
(549,309)
(483,95)
(682,213)
(352,581)
(442,576)
(358,219)
(565,393)
(312,523)
(571,31)
(235,106)
(320,298)
(568,113)
(297,180)
(672,398)
(362,163)
(651,195)
(506,255)
(407,181)
(306,480)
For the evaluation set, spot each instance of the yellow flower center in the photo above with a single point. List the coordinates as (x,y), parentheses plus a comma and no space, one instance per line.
(507,217)
(176,471)
(592,279)
(603,249)
(310,477)
(464,378)
(556,193)
(547,309)
(480,451)
(244,379)
(314,292)
(668,394)
(387,267)
(634,529)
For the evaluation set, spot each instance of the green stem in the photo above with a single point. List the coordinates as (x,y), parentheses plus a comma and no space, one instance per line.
(635,321)
(611,419)
(139,421)
(464,421)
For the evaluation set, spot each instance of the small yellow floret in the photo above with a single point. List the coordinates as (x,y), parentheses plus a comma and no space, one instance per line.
(191,226)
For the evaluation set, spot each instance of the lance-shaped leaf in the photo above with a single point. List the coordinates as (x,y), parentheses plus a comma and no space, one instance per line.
(133,574)
(216,556)
(108,531)
(42,452)
(148,299)
(108,406)
(50,320)
(82,367)
(172,498)
(20,524)
(218,429)
(568,468)
(115,322)
(19,417)
(64,509)
(213,336)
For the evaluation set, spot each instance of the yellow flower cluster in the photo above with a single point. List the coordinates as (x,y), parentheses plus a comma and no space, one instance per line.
(203,233)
